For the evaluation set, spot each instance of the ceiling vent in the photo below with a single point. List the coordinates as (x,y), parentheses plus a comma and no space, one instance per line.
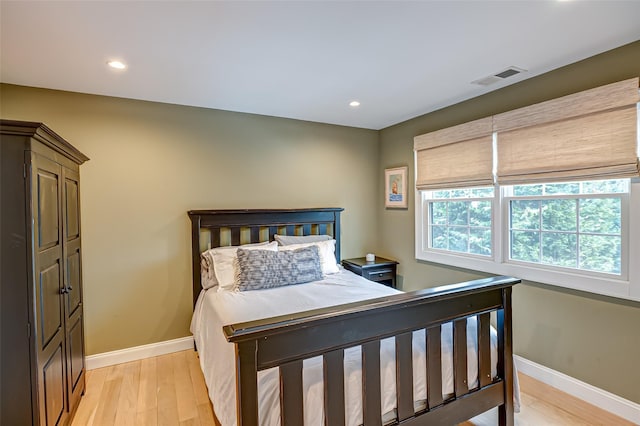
(509,72)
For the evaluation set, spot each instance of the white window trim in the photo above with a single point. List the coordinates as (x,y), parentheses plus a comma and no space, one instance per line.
(619,287)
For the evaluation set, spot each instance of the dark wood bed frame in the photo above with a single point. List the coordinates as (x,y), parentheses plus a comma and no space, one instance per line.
(286,341)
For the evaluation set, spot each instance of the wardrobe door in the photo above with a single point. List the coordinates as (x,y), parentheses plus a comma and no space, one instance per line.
(73,286)
(46,207)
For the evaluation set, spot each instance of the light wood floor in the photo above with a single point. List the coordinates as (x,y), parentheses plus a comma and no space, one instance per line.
(170,390)
(163,390)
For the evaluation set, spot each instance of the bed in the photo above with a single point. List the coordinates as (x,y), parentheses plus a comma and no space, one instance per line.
(342,350)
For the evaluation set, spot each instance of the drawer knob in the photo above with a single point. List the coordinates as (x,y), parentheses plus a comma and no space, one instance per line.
(380,274)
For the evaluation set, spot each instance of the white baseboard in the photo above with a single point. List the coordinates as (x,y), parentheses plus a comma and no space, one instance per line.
(138,352)
(621,407)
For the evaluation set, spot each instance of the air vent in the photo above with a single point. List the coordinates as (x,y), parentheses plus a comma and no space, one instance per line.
(509,72)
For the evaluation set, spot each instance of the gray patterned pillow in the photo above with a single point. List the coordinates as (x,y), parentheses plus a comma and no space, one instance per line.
(260,269)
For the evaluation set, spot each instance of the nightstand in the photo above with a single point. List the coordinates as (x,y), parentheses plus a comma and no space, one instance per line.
(381,270)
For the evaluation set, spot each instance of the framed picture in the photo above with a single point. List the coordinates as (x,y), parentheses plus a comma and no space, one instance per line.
(395,187)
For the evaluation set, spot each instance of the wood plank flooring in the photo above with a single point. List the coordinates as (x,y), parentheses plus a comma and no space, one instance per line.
(164,390)
(170,390)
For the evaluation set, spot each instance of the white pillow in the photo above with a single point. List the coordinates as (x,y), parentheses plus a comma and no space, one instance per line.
(225,262)
(327,251)
(207,273)
(287,240)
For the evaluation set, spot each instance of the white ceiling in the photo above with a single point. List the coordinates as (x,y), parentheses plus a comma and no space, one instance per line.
(303,59)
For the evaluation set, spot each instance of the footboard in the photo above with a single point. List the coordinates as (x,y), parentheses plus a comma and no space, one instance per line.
(286,341)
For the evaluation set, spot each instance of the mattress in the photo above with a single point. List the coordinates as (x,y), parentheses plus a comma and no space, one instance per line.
(215,309)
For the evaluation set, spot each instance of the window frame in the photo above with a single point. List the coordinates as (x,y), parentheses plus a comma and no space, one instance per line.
(625,286)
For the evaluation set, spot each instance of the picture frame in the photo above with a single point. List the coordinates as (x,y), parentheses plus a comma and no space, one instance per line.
(395,187)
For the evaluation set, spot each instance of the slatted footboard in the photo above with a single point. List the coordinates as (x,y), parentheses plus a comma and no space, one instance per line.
(285,342)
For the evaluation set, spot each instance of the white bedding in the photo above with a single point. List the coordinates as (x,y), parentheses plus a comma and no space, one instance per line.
(216,309)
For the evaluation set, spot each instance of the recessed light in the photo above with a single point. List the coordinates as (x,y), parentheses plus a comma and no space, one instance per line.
(117,65)
(354,104)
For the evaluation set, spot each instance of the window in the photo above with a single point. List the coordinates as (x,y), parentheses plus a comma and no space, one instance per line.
(574,234)
(583,234)
(460,220)
(569,225)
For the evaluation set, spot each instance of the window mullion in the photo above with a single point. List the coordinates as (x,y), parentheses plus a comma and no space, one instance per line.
(578,231)
(540,228)
(468,226)
(447,227)
(500,214)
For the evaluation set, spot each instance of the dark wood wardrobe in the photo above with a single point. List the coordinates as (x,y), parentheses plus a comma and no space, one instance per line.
(42,353)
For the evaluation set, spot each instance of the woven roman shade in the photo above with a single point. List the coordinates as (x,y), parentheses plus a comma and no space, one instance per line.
(588,135)
(459,156)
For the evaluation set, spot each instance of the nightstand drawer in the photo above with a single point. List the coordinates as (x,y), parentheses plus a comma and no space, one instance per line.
(379,274)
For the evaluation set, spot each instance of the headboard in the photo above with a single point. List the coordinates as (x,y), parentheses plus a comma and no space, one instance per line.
(217,228)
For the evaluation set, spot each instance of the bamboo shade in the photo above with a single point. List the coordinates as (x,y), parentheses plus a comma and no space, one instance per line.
(588,135)
(459,156)
(610,96)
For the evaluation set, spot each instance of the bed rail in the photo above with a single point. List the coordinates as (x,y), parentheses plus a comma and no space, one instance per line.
(286,341)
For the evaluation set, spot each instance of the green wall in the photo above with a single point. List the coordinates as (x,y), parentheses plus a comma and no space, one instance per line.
(594,339)
(151,162)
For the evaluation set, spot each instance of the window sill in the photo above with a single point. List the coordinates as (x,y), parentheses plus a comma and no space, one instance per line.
(592,283)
